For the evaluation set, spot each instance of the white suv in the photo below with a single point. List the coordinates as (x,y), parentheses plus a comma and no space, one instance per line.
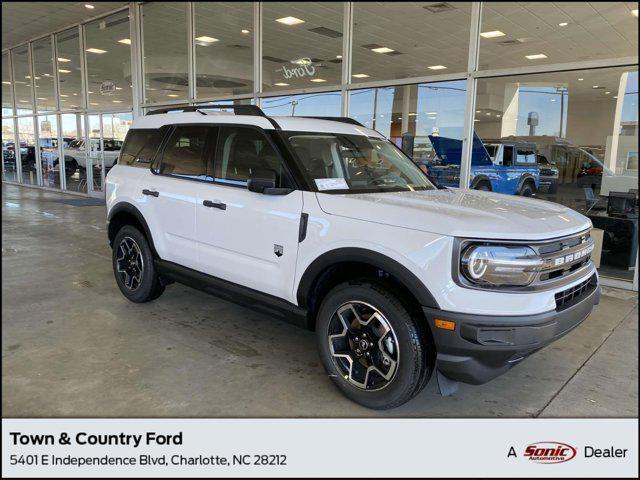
(326,221)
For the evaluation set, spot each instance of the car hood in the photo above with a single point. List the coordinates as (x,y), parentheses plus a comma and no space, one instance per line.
(460,213)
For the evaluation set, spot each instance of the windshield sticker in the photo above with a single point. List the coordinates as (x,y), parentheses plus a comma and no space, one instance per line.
(331,184)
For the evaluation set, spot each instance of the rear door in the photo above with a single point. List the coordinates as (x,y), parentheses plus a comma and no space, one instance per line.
(244,237)
(168,192)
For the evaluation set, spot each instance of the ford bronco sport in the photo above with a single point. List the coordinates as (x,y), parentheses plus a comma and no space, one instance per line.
(326,221)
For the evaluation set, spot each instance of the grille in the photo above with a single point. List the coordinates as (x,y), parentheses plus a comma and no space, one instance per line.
(565,256)
(571,296)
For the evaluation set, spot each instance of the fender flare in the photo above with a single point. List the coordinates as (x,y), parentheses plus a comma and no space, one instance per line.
(125,207)
(523,179)
(374,259)
(481,178)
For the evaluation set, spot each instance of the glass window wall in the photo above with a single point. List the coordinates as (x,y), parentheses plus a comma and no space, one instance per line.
(166,51)
(69,72)
(224,48)
(43,80)
(7,95)
(302,44)
(49,161)
(108,54)
(9,169)
(22,80)
(312,104)
(27,137)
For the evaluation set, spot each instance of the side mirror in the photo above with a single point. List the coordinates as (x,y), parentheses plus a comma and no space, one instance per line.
(265,181)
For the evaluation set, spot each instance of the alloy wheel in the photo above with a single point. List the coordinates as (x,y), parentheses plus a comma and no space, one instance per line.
(363,345)
(130,264)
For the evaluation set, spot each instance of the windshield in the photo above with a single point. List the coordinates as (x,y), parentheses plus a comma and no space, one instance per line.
(355,163)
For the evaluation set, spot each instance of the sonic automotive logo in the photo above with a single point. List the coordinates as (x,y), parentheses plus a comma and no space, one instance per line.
(550,452)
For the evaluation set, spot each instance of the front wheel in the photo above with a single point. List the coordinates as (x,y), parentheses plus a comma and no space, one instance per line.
(133,266)
(371,347)
(528,190)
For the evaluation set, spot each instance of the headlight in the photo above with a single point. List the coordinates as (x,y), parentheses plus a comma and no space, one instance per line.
(498,265)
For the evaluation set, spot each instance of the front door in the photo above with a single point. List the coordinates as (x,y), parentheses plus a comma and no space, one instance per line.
(245,237)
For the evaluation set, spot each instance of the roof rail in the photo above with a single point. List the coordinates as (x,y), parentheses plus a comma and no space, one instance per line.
(339,119)
(237,109)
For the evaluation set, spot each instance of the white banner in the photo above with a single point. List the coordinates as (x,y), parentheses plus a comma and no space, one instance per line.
(320,447)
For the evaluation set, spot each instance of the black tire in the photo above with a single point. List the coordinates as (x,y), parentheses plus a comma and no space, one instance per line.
(70,167)
(148,286)
(528,190)
(415,352)
(483,186)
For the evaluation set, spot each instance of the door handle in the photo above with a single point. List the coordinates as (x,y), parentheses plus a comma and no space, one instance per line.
(153,193)
(219,205)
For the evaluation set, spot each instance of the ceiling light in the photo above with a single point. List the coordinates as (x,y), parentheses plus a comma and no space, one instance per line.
(206,39)
(492,34)
(580,79)
(125,41)
(360,75)
(64,95)
(92,103)
(89,6)
(536,56)
(89,92)
(553,99)
(437,67)
(96,50)
(596,86)
(488,113)
(6,83)
(116,101)
(383,50)
(172,95)
(318,80)
(477,111)
(339,56)
(41,98)
(607,93)
(281,84)
(62,70)
(431,113)
(412,114)
(615,96)
(244,31)
(498,115)
(118,88)
(289,20)
(563,24)
(634,12)
(63,60)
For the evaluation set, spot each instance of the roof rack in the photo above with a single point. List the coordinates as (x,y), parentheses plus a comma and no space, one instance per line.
(237,109)
(339,119)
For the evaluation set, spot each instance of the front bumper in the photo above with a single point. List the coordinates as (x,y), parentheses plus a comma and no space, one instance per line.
(483,347)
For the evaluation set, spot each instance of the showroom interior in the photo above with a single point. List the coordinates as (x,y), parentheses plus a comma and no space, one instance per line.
(555,81)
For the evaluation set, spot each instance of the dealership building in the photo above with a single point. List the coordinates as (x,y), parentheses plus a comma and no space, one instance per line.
(551,84)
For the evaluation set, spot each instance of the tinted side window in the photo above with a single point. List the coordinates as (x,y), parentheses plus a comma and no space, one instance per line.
(525,157)
(140,146)
(507,156)
(242,151)
(184,153)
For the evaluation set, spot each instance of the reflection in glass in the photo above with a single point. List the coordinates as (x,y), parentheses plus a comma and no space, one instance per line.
(69,73)
(8,151)
(75,170)
(48,138)
(312,104)
(43,74)
(114,128)
(108,54)
(26,134)
(22,80)
(576,133)
(165,46)
(412,115)
(224,48)
(7,97)
(302,44)
(537,33)
(408,39)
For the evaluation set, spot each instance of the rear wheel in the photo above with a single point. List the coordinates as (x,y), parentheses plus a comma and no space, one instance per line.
(484,186)
(133,266)
(371,347)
